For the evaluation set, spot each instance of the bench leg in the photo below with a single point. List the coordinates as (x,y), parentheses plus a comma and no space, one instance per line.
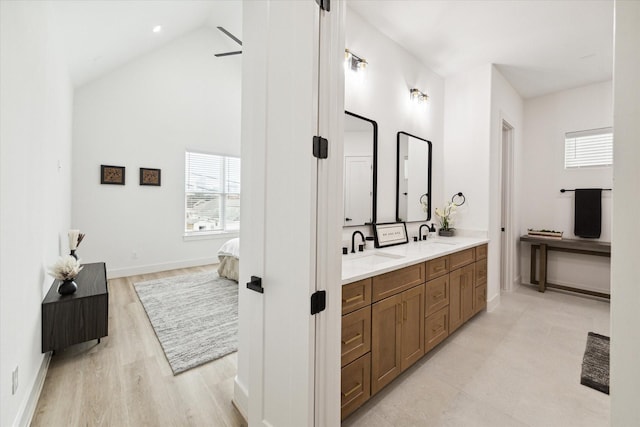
(543,268)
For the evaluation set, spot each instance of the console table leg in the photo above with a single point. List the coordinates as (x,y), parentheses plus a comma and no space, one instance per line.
(532,277)
(543,268)
(98,340)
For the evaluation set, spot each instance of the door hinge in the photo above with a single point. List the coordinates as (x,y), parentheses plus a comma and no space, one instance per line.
(318,302)
(324,4)
(320,147)
(256,284)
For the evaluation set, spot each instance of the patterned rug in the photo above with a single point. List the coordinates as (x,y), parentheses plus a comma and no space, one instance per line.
(195,317)
(595,364)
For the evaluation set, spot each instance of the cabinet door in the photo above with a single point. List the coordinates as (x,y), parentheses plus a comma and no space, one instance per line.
(355,384)
(356,334)
(481,272)
(386,341)
(412,326)
(468,285)
(455,300)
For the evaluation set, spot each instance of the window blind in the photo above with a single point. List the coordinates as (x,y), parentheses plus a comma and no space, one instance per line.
(588,148)
(212,192)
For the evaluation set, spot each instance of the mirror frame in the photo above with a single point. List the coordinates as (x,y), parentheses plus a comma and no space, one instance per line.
(398,176)
(374,173)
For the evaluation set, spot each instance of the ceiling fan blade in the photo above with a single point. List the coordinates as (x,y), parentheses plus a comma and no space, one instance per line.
(231,36)
(237,52)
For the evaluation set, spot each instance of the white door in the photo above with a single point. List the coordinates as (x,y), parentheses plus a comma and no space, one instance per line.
(289,220)
(358,191)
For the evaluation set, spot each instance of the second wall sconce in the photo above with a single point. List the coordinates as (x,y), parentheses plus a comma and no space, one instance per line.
(353,61)
(417,96)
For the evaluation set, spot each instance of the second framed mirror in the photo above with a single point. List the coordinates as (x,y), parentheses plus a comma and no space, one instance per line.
(413,178)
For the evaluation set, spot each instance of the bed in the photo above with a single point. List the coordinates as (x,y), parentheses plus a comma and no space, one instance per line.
(229,256)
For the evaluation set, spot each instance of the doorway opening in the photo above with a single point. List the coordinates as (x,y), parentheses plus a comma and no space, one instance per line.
(506,217)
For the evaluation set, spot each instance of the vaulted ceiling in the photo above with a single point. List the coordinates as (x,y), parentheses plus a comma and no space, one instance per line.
(540,46)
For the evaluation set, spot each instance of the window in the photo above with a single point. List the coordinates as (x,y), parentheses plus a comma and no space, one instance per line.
(588,148)
(212,193)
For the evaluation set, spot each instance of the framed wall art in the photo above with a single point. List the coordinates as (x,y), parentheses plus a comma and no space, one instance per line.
(112,174)
(390,234)
(150,176)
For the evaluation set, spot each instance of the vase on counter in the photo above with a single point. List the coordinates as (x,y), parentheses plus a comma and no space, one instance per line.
(446,233)
(67,287)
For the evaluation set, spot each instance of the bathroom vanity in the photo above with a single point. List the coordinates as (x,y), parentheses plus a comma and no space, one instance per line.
(399,303)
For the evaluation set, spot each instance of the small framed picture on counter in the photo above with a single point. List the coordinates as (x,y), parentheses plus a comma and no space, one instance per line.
(390,234)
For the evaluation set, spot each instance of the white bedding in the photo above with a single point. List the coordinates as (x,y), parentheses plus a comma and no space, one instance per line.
(230,248)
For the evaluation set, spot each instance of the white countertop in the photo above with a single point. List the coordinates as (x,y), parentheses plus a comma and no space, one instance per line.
(372,262)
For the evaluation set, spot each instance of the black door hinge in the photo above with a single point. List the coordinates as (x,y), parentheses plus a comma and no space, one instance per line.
(255,284)
(324,4)
(320,147)
(318,302)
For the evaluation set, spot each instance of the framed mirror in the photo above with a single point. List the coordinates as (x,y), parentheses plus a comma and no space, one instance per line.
(413,178)
(360,170)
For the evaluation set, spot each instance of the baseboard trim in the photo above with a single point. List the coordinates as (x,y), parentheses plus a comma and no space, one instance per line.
(25,415)
(240,399)
(493,303)
(154,268)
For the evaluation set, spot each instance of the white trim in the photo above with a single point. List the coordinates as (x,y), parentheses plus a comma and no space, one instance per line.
(210,235)
(240,398)
(154,268)
(26,412)
(493,303)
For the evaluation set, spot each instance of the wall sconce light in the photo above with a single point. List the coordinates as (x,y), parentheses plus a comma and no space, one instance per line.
(417,96)
(353,61)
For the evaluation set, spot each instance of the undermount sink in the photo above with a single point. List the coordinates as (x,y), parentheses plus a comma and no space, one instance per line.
(372,259)
(440,242)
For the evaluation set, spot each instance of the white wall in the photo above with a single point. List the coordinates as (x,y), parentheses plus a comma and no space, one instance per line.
(507,105)
(146,114)
(381,94)
(625,292)
(467,118)
(35,156)
(547,118)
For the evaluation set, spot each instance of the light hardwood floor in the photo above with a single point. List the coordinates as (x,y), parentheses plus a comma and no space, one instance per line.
(126,380)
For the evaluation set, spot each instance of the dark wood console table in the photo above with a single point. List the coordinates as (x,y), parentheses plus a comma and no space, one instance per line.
(79,317)
(587,247)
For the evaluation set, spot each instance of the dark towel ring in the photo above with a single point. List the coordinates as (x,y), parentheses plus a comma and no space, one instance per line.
(464,199)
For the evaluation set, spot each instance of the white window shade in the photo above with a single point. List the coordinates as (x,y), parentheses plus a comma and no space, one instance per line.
(588,148)
(212,193)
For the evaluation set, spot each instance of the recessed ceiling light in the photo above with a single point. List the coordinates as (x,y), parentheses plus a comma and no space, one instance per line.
(157,28)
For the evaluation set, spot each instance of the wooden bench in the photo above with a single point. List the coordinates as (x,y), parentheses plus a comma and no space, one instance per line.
(586,247)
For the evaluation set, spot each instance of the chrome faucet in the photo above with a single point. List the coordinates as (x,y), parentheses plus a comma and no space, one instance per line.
(353,241)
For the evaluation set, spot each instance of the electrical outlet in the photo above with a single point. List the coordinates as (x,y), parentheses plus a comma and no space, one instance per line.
(14,381)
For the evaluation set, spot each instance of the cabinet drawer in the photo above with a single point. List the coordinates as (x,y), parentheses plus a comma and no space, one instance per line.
(436,328)
(356,334)
(388,284)
(437,294)
(355,385)
(356,295)
(481,272)
(437,267)
(462,258)
(481,252)
(479,298)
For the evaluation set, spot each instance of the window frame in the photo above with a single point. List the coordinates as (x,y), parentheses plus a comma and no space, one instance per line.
(204,234)
(576,136)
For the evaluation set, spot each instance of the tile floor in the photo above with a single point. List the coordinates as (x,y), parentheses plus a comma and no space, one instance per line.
(516,366)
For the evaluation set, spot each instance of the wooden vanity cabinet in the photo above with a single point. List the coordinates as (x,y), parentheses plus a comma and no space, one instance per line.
(391,320)
(397,341)
(461,284)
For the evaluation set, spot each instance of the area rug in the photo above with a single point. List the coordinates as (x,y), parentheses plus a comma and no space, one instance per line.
(195,317)
(595,363)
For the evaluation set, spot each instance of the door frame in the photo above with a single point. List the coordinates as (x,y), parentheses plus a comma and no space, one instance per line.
(507,243)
